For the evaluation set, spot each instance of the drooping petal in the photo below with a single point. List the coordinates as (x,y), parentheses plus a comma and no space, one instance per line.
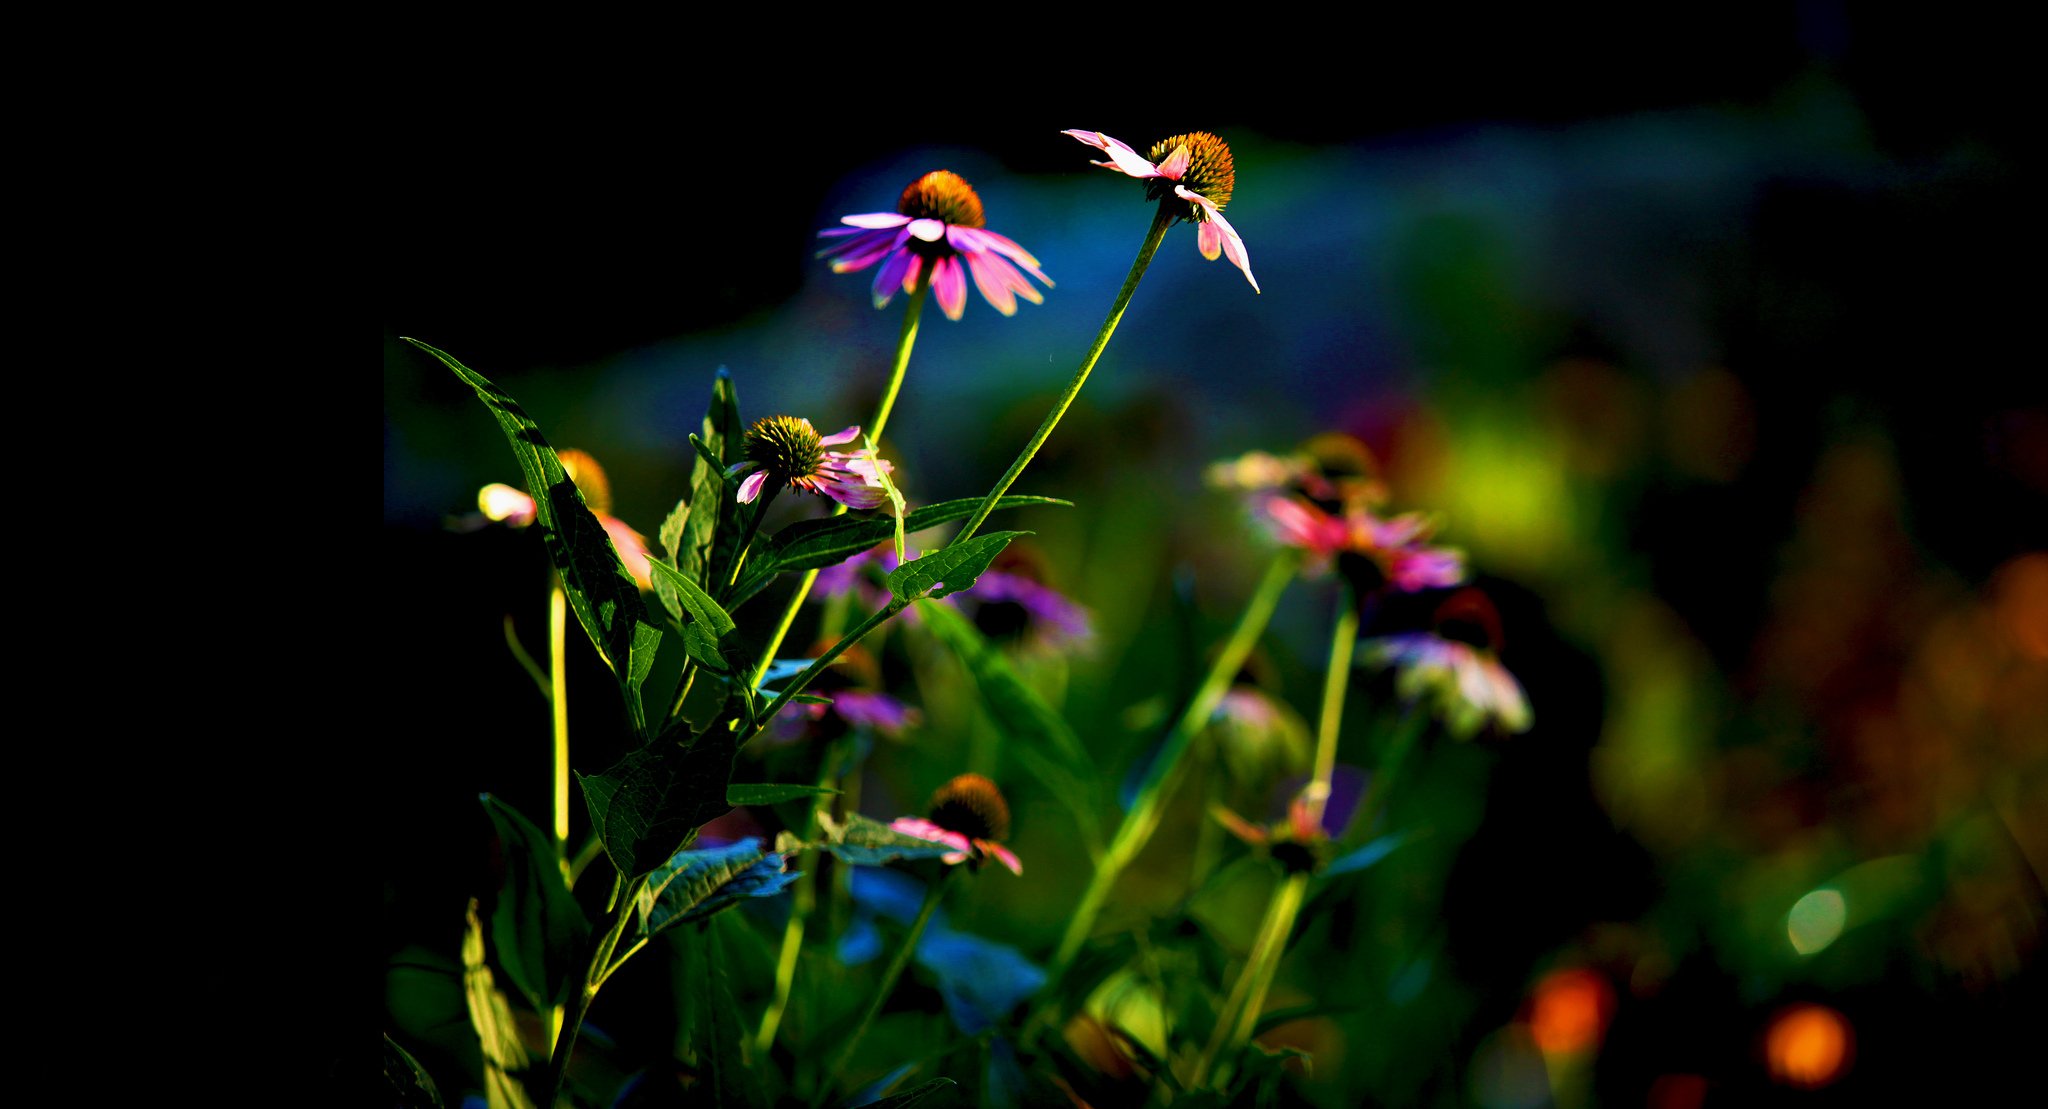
(1002,268)
(875,219)
(751,488)
(924,829)
(1209,240)
(862,252)
(993,288)
(1233,248)
(1002,855)
(930,230)
(890,277)
(1175,166)
(1121,157)
(632,548)
(910,275)
(949,285)
(850,435)
(852,495)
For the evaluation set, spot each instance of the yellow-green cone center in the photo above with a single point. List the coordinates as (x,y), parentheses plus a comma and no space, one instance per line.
(972,806)
(1211,171)
(943,195)
(785,445)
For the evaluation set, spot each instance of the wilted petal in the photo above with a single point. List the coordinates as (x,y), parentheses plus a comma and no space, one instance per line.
(875,219)
(751,488)
(1122,157)
(1002,855)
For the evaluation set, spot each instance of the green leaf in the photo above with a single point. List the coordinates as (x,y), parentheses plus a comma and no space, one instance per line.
(490,1014)
(705,452)
(536,927)
(693,885)
(671,535)
(711,503)
(810,699)
(866,842)
(771,793)
(647,804)
(709,636)
(407,1085)
(1039,736)
(921,1096)
(948,571)
(815,544)
(601,593)
(712,1023)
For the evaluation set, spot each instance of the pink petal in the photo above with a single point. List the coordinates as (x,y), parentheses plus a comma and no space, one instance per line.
(847,436)
(1233,247)
(860,253)
(993,288)
(920,828)
(875,219)
(751,488)
(1122,157)
(966,240)
(503,503)
(1176,164)
(1016,253)
(910,275)
(1209,240)
(632,548)
(949,284)
(1012,278)
(930,230)
(852,495)
(1002,855)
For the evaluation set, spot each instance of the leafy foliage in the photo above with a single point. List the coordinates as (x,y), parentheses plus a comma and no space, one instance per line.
(649,802)
(693,885)
(536,926)
(504,1055)
(866,842)
(949,570)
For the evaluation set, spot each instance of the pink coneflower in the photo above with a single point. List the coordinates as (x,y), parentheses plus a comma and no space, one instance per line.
(507,505)
(1456,667)
(967,813)
(935,234)
(1331,470)
(1195,167)
(787,449)
(1384,552)
(1300,839)
(1012,603)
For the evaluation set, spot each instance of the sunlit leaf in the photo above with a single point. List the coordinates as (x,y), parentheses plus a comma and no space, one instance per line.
(709,637)
(1041,738)
(649,802)
(536,926)
(603,595)
(771,793)
(693,885)
(866,842)
(504,1056)
(673,528)
(948,571)
(711,502)
(827,541)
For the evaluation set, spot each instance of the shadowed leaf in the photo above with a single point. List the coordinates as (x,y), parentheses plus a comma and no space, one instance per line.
(536,926)
(866,842)
(491,1015)
(693,885)
(647,805)
(709,635)
(771,793)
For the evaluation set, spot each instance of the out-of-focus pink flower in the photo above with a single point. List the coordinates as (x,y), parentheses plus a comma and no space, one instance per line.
(853,685)
(970,815)
(1396,548)
(1196,168)
(507,505)
(1464,682)
(1332,470)
(788,450)
(936,234)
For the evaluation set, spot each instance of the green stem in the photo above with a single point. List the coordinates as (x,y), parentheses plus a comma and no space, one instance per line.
(1162,218)
(888,985)
(558,695)
(810,673)
(526,661)
(904,342)
(598,968)
(1163,774)
(1342,639)
(739,557)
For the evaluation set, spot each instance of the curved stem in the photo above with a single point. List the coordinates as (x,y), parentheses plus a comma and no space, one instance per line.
(1163,774)
(1162,218)
(888,985)
(1338,679)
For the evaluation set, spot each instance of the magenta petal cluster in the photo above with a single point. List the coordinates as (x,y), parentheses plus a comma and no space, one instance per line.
(1215,235)
(936,236)
(1398,546)
(850,477)
(967,848)
(1468,685)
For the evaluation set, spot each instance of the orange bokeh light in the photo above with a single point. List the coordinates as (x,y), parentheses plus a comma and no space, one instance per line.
(1568,1011)
(1808,1046)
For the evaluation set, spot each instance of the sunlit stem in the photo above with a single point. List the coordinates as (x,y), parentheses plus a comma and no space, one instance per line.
(802,902)
(558,695)
(1162,218)
(904,341)
(810,673)
(1164,772)
(1240,1013)
(887,986)
(739,556)
(599,967)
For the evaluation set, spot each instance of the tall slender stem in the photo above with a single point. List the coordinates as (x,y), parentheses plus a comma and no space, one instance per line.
(1163,774)
(1162,218)
(739,556)
(887,986)
(558,690)
(905,340)
(1247,998)
(586,991)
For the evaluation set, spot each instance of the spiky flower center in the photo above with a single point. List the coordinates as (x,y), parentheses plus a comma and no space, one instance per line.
(972,806)
(785,445)
(1211,171)
(590,480)
(942,195)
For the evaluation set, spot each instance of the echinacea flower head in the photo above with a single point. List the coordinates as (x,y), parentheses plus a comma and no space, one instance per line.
(787,450)
(937,234)
(504,504)
(1456,668)
(969,814)
(1194,171)
(1300,840)
(1332,471)
(1010,602)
